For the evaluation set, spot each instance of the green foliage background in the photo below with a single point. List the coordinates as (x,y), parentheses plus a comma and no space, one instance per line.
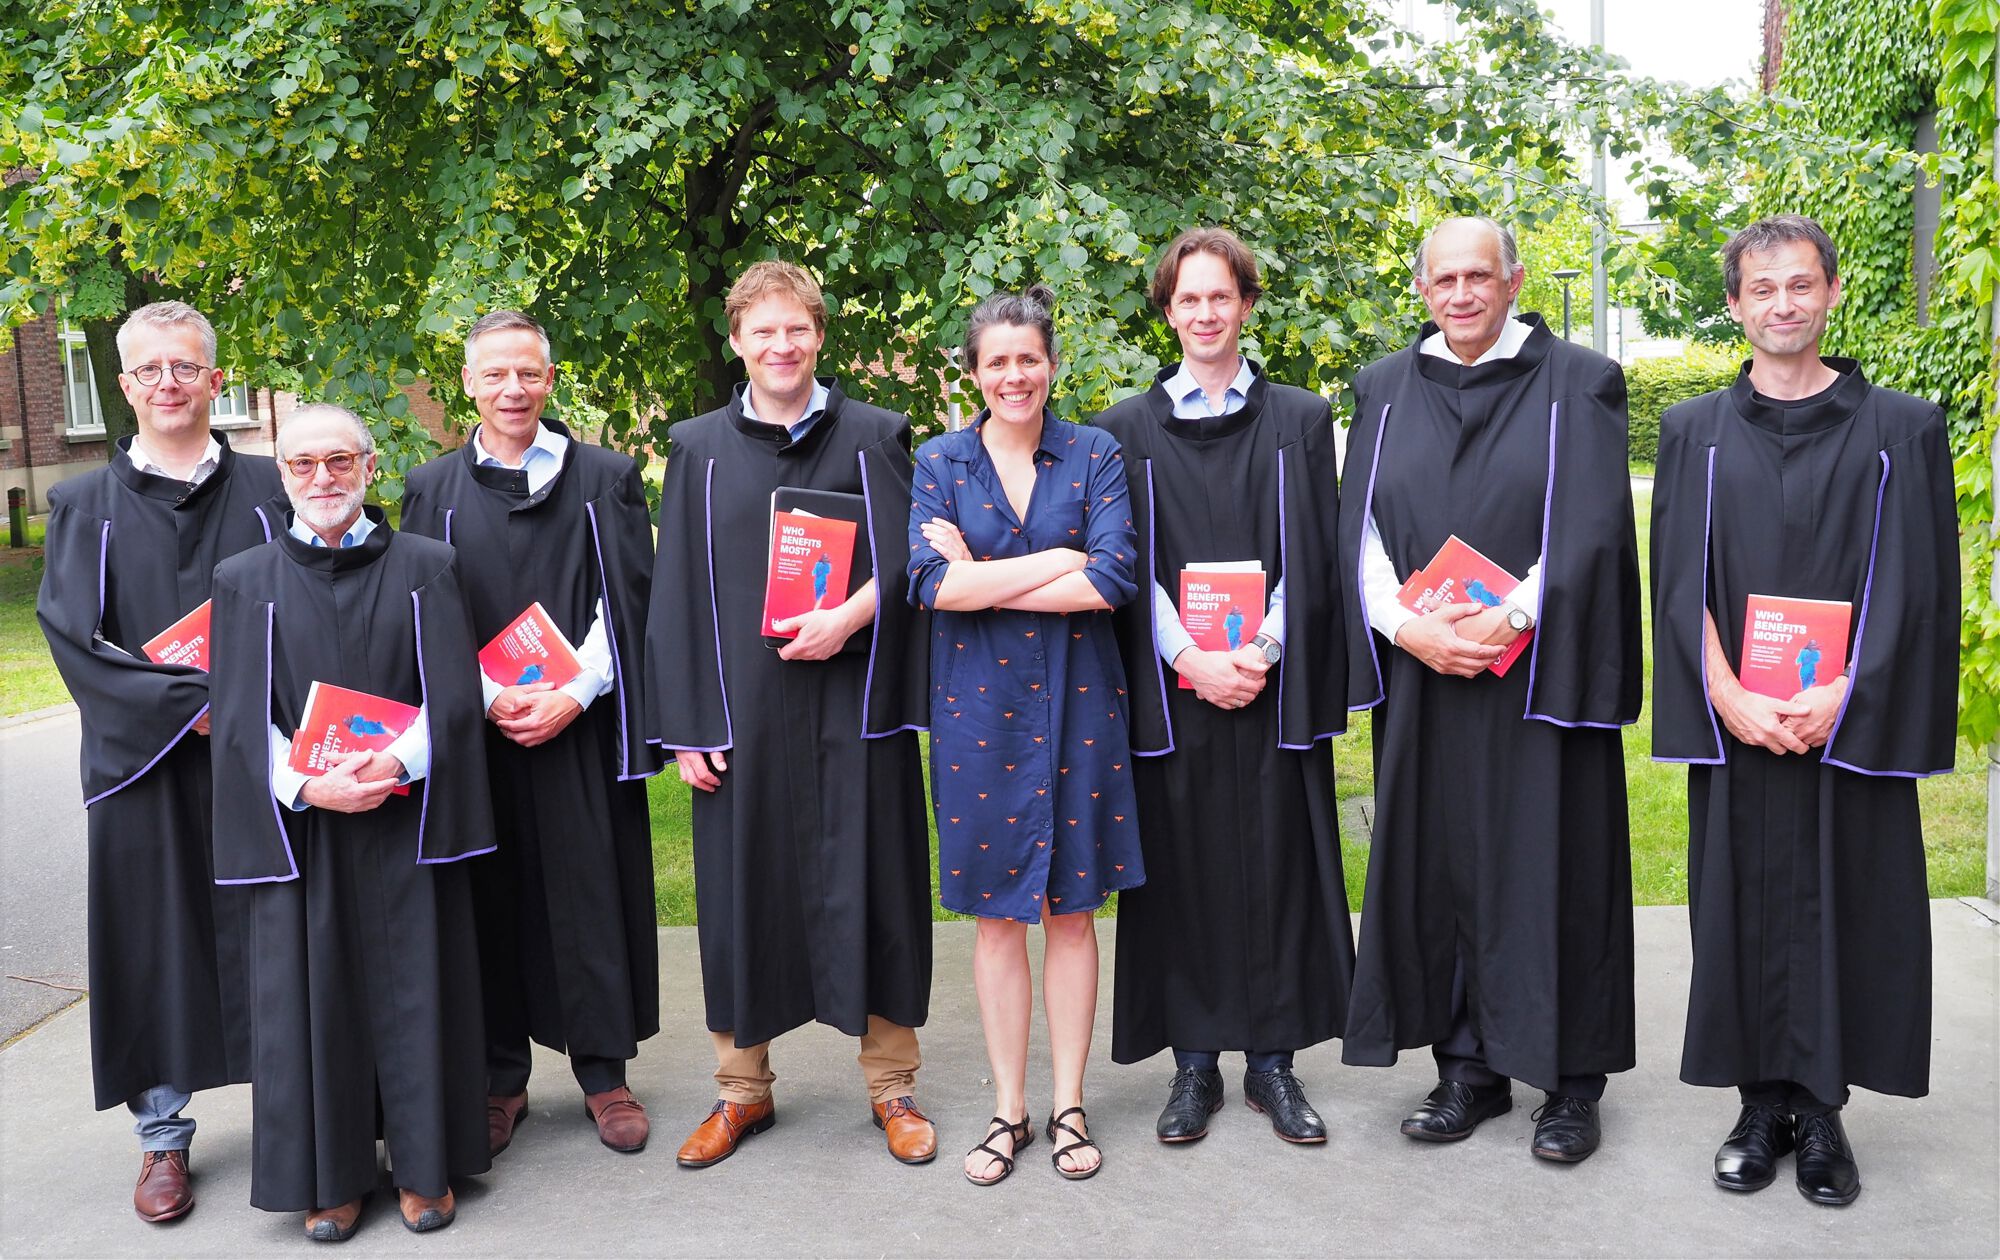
(1653,385)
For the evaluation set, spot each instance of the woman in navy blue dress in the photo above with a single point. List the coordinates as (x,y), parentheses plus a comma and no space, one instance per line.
(1021,540)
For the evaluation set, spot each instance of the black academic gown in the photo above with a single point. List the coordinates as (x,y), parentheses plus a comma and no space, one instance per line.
(812,860)
(127,555)
(1240,938)
(364,970)
(1806,884)
(1501,852)
(567,926)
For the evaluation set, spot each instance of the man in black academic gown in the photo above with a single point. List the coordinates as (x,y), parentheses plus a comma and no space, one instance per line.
(364,970)
(567,930)
(1496,925)
(1239,939)
(811,848)
(130,551)
(1806,883)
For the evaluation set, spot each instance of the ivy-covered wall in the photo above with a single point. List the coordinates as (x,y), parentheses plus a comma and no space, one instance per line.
(1868,70)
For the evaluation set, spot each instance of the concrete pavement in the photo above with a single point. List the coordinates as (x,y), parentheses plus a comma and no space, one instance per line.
(42,891)
(821,1183)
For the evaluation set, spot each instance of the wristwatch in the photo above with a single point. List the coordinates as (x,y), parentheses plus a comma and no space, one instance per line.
(1270,647)
(1518,619)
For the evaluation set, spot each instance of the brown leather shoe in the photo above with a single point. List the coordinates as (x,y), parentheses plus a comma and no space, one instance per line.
(912,1136)
(421,1215)
(163,1193)
(621,1121)
(334,1224)
(503,1112)
(728,1123)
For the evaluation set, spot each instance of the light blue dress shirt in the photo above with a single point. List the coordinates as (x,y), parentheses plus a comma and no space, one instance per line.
(815,408)
(1192,402)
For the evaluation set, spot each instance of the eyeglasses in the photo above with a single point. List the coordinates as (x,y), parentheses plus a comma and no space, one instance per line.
(340,463)
(148,374)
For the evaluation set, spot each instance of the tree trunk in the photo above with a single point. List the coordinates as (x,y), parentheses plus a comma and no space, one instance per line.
(101,335)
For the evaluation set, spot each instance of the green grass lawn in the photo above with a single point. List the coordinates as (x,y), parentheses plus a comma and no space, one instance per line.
(1954,806)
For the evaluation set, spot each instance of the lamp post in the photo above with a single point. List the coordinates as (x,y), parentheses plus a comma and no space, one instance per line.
(1564,276)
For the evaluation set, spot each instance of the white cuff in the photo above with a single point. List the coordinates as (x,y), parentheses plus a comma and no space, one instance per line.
(1170,637)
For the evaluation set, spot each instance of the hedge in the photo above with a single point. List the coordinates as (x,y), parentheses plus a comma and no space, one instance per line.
(1653,385)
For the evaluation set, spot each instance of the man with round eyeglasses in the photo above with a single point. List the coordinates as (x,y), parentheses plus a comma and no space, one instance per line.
(130,551)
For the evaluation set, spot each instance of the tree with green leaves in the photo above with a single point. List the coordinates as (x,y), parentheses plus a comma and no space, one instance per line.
(344,186)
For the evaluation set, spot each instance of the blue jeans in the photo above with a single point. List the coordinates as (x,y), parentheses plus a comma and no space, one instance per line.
(161,1127)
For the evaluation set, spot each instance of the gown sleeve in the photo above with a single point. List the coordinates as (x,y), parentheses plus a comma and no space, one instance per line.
(687,707)
(1901,710)
(1312,673)
(133,710)
(1585,664)
(895,696)
(622,546)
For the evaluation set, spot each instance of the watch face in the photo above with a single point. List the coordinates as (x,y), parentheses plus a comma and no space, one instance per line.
(1272,652)
(1518,619)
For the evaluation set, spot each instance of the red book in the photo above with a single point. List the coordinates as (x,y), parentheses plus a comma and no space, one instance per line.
(338,720)
(1222,606)
(531,649)
(183,643)
(810,559)
(1792,644)
(1459,574)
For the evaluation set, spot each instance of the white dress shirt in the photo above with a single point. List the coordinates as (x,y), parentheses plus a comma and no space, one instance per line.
(542,461)
(211,459)
(1379,583)
(412,747)
(1192,402)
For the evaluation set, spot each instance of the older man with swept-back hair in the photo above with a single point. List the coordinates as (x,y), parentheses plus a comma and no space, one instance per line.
(364,969)
(1497,921)
(567,944)
(129,553)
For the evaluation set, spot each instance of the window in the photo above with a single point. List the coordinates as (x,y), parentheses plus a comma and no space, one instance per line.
(232,409)
(82,414)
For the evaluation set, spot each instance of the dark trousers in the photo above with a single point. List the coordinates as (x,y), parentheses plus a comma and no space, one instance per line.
(1789,1096)
(1253,1060)
(508,1063)
(1461,1055)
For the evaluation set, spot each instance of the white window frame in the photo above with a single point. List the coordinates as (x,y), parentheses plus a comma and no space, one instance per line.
(74,347)
(232,409)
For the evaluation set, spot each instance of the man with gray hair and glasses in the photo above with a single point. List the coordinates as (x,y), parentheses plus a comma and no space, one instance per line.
(1497,920)
(129,554)
(364,991)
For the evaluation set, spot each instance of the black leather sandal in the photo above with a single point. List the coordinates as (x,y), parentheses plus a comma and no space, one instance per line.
(1022,1135)
(1055,1156)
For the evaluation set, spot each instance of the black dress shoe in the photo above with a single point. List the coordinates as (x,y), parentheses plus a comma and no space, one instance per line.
(1454,1109)
(1826,1170)
(1748,1158)
(1566,1129)
(1279,1095)
(1193,1096)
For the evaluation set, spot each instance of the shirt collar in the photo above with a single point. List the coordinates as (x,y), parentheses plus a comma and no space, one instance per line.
(1183,389)
(815,408)
(547,442)
(1513,335)
(211,459)
(361,528)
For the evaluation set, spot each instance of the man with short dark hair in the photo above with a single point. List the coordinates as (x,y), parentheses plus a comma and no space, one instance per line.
(130,551)
(1497,920)
(1239,939)
(1807,490)
(364,972)
(567,930)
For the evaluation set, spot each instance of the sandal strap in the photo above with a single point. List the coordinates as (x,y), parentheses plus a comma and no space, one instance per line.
(1056,1122)
(1006,1162)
